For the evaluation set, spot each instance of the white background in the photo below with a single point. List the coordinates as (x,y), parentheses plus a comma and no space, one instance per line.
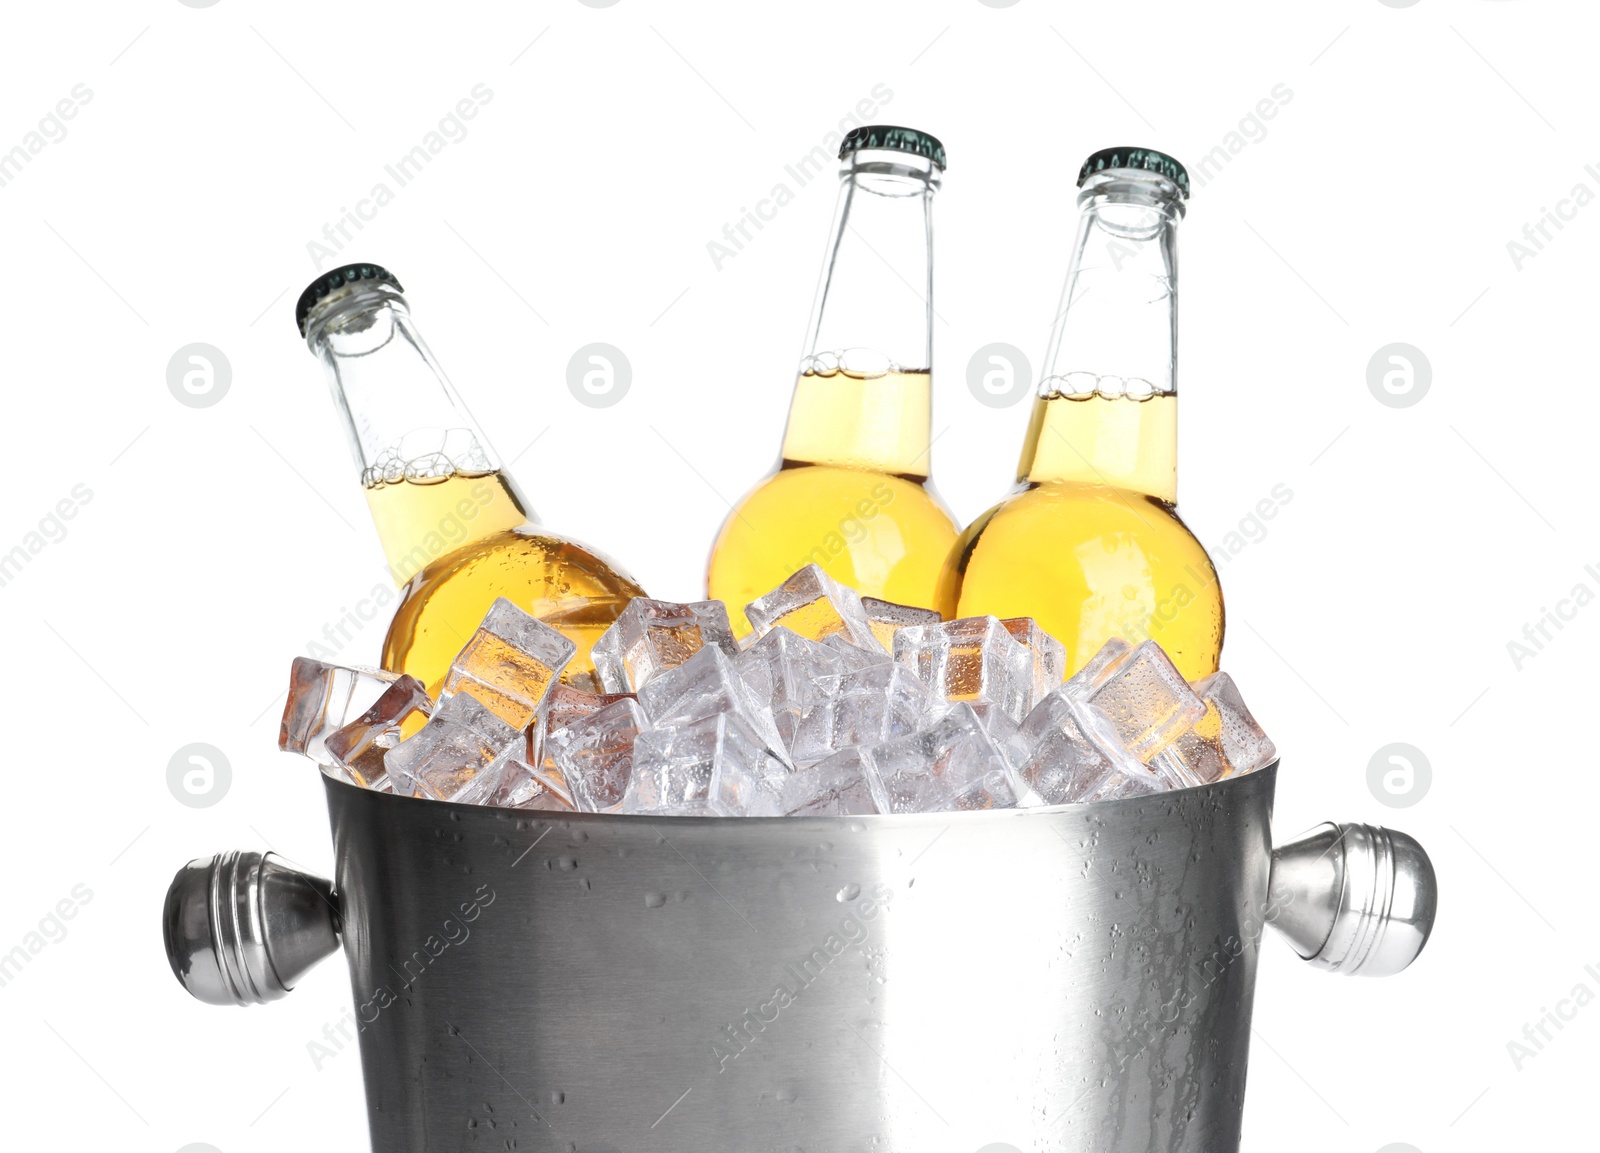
(219,541)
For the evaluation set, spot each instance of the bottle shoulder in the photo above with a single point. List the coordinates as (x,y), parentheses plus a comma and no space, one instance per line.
(1059,512)
(884,535)
(526,556)
(814,500)
(831,483)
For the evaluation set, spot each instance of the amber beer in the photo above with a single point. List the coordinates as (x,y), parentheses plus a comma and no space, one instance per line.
(1089,542)
(851,492)
(455,530)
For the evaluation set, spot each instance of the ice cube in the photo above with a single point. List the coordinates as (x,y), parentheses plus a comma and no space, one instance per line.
(950,766)
(650,636)
(1223,741)
(595,755)
(854,656)
(1125,783)
(516,783)
(705,685)
(1100,666)
(672,769)
(359,747)
(509,664)
(867,707)
(973,659)
(1072,762)
(1141,699)
(1244,743)
(886,618)
(1066,764)
(747,779)
(459,755)
(834,787)
(814,605)
(523,774)
(522,790)
(1047,656)
(567,704)
(1007,737)
(788,671)
(323,699)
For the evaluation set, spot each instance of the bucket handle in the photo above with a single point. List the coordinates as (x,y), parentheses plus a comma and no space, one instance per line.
(1354,899)
(242,928)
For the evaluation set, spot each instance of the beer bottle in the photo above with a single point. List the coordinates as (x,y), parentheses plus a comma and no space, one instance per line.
(851,491)
(1089,543)
(455,530)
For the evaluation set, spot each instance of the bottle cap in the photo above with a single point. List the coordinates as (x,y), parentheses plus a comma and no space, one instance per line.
(1146,158)
(895,139)
(328,283)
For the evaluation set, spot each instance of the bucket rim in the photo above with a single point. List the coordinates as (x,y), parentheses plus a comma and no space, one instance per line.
(1266,776)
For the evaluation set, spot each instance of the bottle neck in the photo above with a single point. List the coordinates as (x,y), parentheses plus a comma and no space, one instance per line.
(1106,412)
(863,395)
(422,458)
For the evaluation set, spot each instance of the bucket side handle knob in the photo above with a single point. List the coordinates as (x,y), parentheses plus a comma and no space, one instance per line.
(242,928)
(1354,899)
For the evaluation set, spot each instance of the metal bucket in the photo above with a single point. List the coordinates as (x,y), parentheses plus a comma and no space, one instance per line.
(1071,978)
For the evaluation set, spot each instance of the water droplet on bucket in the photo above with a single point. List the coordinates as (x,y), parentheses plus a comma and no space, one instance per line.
(849,893)
(654,900)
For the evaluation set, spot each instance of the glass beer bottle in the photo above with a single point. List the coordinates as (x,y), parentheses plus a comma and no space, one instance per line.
(1089,543)
(456,532)
(851,492)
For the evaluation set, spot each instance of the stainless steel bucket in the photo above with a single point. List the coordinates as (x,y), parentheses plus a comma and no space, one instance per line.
(1074,978)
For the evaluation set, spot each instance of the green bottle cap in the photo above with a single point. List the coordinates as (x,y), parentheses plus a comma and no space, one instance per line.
(1146,158)
(328,283)
(895,139)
